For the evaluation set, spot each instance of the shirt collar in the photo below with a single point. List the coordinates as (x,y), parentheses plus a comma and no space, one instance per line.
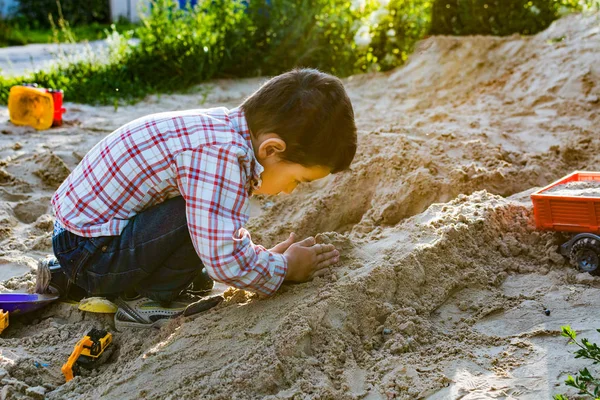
(238,120)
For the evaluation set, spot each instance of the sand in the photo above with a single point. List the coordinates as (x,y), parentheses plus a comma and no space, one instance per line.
(578,189)
(443,283)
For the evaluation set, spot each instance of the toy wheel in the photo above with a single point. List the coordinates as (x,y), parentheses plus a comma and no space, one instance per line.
(585,254)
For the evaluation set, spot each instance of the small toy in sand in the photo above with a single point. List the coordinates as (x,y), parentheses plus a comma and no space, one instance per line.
(21,303)
(97,305)
(3,320)
(39,108)
(88,353)
(572,204)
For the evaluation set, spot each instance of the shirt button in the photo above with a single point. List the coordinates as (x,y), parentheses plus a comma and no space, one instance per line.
(104,249)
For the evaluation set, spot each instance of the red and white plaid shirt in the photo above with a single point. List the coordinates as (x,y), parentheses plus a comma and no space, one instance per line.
(206,156)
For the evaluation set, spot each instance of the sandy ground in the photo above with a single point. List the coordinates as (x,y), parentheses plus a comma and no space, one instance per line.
(443,285)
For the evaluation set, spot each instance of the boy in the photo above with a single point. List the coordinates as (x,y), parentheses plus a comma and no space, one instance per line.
(166,195)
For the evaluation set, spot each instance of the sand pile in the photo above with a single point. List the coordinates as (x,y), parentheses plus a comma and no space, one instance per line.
(443,285)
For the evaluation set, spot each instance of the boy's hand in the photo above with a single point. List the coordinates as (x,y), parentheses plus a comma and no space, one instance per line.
(306,259)
(283,246)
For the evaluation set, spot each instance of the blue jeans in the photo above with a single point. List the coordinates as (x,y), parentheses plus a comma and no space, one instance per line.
(154,256)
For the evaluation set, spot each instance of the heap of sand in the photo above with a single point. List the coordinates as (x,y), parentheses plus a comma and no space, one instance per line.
(443,285)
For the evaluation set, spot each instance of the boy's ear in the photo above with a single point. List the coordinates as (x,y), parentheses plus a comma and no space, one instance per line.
(270,145)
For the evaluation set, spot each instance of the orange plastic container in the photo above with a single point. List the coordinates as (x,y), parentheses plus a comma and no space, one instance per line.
(567,213)
(37,107)
(31,106)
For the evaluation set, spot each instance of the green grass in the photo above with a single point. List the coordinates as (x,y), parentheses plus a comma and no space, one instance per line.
(14,33)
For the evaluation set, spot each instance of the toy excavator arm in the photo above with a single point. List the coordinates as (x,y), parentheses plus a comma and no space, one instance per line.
(67,368)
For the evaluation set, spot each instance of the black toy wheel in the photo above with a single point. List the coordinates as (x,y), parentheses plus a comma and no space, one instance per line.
(585,254)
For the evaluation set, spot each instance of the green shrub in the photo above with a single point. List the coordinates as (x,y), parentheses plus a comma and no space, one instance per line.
(498,17)
(395,31)
(181,47)
(269,37)
(277,35)
(336,36)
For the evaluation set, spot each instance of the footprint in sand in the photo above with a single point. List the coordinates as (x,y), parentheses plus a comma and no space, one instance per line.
(53,171)
(10,196)
(6,178)
(9,268)
(29,211)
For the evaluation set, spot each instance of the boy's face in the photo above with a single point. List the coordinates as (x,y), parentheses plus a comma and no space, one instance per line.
(281,176)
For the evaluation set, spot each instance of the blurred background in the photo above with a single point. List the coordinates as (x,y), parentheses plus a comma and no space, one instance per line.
(107,51)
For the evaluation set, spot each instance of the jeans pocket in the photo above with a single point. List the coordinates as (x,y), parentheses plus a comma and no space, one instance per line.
(102,243)
(72,262)
(65,242)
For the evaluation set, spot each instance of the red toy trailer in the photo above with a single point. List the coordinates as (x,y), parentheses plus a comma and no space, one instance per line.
(572,214)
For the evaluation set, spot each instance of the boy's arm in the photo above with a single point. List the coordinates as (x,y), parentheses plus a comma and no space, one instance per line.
(213,184)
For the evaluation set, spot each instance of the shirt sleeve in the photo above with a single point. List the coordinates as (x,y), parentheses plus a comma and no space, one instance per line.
(213,183)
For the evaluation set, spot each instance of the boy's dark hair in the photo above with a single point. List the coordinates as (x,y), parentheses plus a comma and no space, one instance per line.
(311,112)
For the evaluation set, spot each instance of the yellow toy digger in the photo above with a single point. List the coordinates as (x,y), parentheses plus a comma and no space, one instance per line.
(3,320)
(87,352)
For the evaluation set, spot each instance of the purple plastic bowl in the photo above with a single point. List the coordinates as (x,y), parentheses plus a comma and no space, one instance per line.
(21,303)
